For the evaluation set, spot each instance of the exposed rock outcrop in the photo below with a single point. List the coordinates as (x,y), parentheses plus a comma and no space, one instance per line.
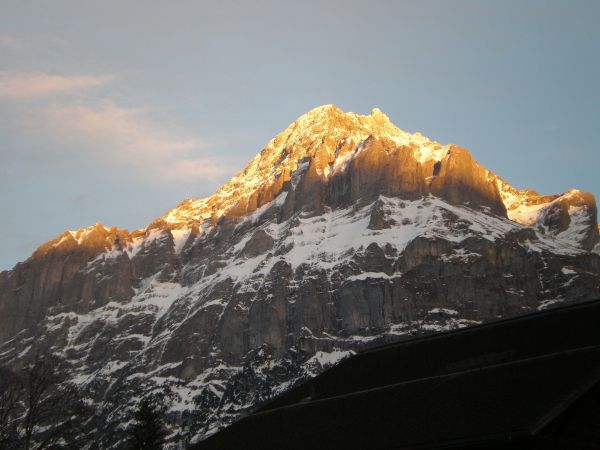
(462,181)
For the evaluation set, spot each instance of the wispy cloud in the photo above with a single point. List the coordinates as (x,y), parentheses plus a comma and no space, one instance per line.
(127,136)
(21,85)
(87,130)
(9,41)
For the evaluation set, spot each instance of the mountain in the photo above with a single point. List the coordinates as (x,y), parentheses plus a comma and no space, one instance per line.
(344,232)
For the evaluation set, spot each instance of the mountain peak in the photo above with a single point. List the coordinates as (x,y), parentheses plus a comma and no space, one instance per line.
(329,158)
(331,112)
(325,135)
(324,109)
(328,118)
(378,115)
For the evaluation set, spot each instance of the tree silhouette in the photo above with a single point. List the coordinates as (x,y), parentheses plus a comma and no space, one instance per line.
(11,393)
(38,408)
(148,432)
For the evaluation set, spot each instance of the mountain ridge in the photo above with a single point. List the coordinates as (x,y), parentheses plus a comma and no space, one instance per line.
(257,189)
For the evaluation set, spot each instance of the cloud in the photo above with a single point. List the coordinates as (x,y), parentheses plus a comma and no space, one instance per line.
(87,132)
(21,85)
(9,41)
(112,134)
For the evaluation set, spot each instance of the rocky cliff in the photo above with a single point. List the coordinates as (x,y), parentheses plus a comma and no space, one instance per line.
(343,232)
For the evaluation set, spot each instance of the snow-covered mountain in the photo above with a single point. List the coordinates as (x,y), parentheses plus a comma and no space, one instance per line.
(343,232)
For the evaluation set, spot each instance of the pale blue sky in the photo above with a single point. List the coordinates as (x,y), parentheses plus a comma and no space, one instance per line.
(116,111)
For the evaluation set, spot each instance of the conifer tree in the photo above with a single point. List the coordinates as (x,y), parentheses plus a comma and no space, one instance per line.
(148,432)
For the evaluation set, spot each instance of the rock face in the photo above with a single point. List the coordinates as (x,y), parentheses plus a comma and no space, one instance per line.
(462,181)
(328,158)
(343,232)
(56,276)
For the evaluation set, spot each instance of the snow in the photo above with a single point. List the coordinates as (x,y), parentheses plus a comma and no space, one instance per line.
(154,235)
(372,275)
(460,254)
(24,352)
(520,206)
(65,238)
(298,172)
(257,214)
(164,367)
(452,324)
(140,243)
(412,328)
(159,296)
(363,339)
(578,227)
(81,234)
(332,239)
(102,258)
(326,359)
(215,302)
(426,150)
(525,214)
(548,303)
(328,239)
(180,237)
(134,248)
(449,312)
(154,299)
(188,211)
(342,162)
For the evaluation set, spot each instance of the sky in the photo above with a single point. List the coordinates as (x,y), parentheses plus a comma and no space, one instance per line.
(116,111)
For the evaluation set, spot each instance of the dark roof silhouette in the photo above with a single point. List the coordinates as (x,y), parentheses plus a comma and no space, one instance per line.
(527,382)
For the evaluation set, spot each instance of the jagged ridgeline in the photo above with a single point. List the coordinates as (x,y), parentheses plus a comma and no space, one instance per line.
(343,232)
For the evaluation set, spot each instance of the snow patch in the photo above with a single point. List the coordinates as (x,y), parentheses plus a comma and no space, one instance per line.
(448,312)
(325,359)
(180,237)
(545,304)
